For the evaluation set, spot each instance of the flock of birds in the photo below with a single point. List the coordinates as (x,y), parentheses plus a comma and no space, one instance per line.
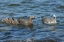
(25,22)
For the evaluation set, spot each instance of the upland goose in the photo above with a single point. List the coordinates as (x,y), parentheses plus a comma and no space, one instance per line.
(26,22)
(49,20)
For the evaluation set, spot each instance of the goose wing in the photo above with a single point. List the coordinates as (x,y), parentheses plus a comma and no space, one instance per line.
(23,22)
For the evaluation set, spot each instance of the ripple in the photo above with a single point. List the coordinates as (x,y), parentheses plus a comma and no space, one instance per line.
(40,31)
(14,5)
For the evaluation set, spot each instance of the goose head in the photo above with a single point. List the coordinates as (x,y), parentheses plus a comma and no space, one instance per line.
(30,21)
(31,17)
(54,16)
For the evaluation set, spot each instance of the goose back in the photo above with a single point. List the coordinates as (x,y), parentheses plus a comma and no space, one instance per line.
(24,22)
(49,20)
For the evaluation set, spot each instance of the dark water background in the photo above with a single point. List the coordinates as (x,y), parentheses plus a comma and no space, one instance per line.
(39,32)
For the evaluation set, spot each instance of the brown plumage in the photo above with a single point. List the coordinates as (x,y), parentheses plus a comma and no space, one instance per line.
(10,21)
(7,20)
(19,21)
(15,22)
(26,22)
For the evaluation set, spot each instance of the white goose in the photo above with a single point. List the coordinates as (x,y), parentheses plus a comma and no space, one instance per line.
(49,20)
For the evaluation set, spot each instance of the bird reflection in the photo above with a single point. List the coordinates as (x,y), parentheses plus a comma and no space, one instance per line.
(30,26)
(54,27)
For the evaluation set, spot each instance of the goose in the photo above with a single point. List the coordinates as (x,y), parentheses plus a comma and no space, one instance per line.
(49,20)
(25,22)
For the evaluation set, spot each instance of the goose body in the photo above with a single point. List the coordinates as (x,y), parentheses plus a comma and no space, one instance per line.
(26,22)
(49,20)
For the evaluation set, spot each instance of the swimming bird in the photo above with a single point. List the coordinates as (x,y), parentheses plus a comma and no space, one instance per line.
(7,20)
(49,20)
(15,22)
(25,22)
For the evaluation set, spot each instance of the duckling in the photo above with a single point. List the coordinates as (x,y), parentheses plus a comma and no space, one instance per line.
(49,20)
(6,21)
(26,22)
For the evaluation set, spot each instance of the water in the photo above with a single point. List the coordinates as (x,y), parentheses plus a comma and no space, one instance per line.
(39,32)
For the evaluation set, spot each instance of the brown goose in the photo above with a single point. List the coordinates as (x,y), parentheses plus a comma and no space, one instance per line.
(26,22)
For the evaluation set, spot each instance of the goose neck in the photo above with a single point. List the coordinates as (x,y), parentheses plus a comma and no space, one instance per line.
(31,20)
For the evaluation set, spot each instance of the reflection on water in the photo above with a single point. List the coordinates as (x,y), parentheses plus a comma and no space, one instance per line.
(30,26)
(54,27)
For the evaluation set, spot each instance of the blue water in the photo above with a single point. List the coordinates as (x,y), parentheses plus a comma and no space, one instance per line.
(39,32)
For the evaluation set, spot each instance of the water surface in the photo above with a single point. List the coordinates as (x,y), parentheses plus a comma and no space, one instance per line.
(40,32)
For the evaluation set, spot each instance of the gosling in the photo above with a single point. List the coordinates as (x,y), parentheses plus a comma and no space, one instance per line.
(7,20)
(15,22)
